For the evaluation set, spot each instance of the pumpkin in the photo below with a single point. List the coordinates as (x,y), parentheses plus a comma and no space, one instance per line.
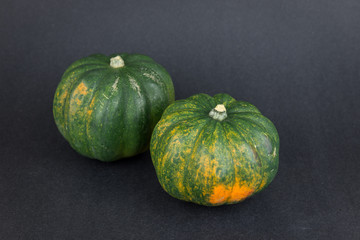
(107,106)
(214,150)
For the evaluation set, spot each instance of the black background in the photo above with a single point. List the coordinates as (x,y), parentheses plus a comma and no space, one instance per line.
(297,61)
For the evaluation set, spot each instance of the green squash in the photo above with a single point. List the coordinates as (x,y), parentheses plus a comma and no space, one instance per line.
(107,106)
(214,150)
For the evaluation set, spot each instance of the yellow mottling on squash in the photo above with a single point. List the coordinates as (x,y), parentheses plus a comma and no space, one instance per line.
(91,106)
(92,102)
(78,101)
(72,109)
(164,159)
(81,89)
(263,183)
(181,187)
(62,97)
(172,132)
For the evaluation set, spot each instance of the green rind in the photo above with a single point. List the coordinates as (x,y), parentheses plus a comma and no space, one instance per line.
(109,113)
(197,157)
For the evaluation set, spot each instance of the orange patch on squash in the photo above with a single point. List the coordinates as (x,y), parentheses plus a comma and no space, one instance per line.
(240,193)
(222,194)
(219,195)
(81,89)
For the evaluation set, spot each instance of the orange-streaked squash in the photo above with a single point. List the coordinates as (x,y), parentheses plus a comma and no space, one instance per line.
(214,150)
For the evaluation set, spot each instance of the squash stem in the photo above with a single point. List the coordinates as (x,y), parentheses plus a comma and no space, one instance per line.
(218,113)
(116,62)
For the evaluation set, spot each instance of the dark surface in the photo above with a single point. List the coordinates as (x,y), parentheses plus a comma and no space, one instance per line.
(297,61)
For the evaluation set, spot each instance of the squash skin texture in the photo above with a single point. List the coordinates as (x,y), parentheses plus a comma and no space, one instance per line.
(109,113)
(211,162)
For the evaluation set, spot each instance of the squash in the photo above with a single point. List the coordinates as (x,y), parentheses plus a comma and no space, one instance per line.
(214,150)
(107,106)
